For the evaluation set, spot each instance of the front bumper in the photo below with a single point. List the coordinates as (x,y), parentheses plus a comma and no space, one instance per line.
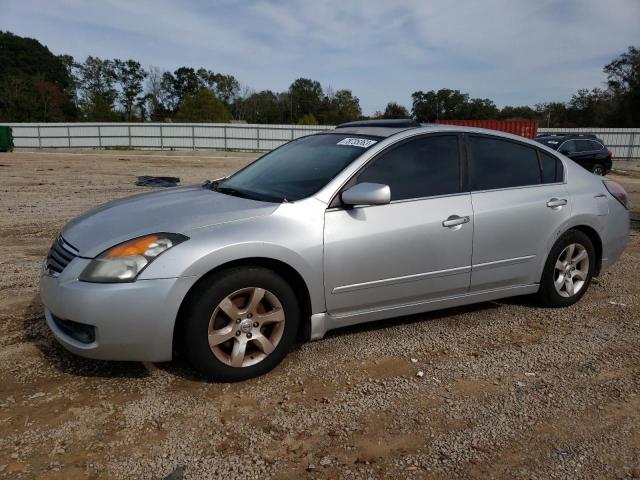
(132,321)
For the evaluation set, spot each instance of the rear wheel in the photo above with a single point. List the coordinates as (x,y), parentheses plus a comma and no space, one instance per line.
(597,169)
(568,271)
(241,325)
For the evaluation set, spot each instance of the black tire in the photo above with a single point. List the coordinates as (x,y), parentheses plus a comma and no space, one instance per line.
(205,301)
(547,294)
(598,169)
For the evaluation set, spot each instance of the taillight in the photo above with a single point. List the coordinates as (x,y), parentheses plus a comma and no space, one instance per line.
(617,192)
(609,154)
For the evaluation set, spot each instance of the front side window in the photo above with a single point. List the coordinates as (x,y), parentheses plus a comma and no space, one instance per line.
(424,167)
(298,169)
(496,163)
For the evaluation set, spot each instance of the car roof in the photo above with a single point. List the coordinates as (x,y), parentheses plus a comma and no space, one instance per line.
(568,136)
(378,128)
(388,128)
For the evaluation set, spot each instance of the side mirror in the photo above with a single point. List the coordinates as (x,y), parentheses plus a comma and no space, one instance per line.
(367,194)
(564,151)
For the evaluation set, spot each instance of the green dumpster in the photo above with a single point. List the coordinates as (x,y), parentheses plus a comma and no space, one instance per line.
(6,139)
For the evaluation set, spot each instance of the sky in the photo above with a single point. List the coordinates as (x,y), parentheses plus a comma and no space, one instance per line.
(516,52)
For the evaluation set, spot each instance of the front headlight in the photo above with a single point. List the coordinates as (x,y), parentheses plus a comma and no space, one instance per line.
(124,262)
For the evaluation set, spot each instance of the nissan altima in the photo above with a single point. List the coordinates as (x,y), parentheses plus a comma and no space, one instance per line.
(368,221)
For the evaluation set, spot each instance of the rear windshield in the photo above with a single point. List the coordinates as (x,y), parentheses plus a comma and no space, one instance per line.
(298,169)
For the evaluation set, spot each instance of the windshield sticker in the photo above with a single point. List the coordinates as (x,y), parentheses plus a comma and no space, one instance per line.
(357,142)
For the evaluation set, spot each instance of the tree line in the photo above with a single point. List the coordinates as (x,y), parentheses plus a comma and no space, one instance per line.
(38,86)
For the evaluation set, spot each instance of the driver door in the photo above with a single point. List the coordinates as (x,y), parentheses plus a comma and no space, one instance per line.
(414,249)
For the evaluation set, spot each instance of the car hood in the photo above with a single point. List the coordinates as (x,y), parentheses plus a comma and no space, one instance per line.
(175,210)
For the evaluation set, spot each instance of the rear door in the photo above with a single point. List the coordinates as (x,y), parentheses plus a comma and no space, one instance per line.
(519,209)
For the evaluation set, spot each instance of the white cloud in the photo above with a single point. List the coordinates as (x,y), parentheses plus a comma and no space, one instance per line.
(514,51)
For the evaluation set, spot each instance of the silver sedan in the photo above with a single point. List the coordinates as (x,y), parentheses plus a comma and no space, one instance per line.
(369,221)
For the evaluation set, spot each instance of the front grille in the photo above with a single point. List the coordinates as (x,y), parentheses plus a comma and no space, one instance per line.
(60,255)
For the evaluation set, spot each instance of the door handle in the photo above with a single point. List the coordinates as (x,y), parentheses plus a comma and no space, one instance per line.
(455,221)
(556,202)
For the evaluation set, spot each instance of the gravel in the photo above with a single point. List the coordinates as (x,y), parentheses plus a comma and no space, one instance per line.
(497,390)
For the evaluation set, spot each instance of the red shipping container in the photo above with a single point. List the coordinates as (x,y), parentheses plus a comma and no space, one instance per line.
(524,128)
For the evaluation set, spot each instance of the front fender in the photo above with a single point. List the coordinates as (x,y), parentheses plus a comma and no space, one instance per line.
(293,235)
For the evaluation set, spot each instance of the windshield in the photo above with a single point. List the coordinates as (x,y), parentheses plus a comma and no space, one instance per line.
(298,169)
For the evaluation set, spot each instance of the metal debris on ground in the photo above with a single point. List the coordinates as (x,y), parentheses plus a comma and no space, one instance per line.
(151,181)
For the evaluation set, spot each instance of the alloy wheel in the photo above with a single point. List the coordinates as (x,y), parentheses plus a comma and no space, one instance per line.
(246,327)
(571,270)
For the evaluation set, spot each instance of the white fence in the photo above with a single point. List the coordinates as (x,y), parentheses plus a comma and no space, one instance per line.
(623,142)
(161,136)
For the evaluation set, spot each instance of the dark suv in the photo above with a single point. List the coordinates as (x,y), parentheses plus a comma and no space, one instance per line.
(587,151)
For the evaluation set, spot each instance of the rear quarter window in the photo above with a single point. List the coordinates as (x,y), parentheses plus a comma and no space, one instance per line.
(595,145)
(552,169)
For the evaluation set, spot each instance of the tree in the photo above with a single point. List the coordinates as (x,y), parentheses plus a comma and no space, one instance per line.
(589,107)
(479,109)
(70,90)
(623,80)
(515,113)
(203,106)
(394,110)
(23,63)
(51,100)
(305,97)
(97,90)
(129,76)
(186,82)
(225,87)
(443,104)
(262,107)
(553,114)
(154,99)
(339,107)
(168,95)
(173,88)
(307,119)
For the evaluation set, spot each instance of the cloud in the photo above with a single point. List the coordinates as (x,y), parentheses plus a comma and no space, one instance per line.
(513,51)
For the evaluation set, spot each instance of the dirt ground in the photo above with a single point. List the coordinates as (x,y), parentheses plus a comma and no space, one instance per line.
(509,390)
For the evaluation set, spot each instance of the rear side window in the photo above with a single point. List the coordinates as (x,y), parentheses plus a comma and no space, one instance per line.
(552,170)
(595,145)
(498,163)
(424,167)
(568,147)
(584,145)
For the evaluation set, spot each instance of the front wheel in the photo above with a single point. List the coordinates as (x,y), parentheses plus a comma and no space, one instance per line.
(568,271)
(241,325)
